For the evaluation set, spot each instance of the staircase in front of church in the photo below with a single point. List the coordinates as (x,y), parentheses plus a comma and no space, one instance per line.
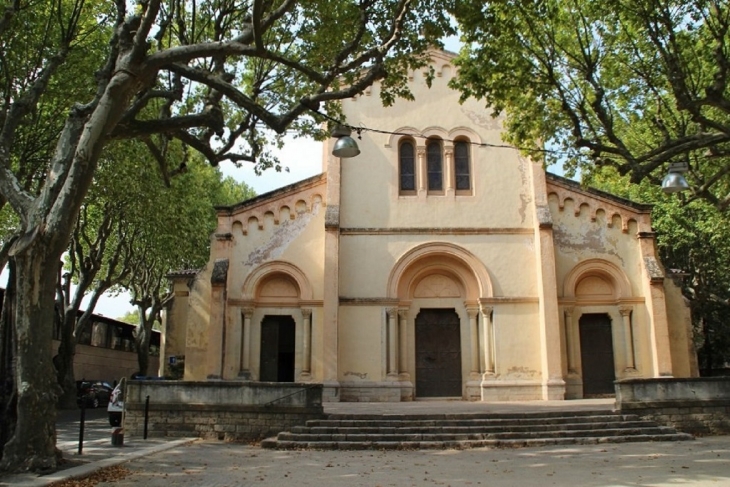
(470,430)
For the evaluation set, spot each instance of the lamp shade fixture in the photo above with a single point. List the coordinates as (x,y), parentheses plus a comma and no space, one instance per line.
(345,145)
(674,182)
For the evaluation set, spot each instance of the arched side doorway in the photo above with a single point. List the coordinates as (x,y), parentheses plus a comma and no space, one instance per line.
(276,322)
(441,341)
(600,339)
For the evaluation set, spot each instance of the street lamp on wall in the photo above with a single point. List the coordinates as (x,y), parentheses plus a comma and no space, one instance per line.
(345,145)
(674,181)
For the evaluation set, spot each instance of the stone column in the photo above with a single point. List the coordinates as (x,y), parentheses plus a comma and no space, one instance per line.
(448,169)
(570,340)
(306,343)
(402,340)
(628,336)
(421,173)
(392,342)
(474,332)
(486,338)
(245,372)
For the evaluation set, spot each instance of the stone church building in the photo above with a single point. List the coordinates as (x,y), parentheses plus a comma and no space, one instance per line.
(439,263)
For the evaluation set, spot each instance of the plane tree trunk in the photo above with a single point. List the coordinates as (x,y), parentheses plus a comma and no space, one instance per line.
(32,445)
(7,362)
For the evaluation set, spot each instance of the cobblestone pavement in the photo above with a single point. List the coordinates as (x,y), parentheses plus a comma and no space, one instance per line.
(703,462)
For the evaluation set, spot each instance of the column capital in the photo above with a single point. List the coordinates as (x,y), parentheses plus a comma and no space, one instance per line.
(487,310)
(247,312)
(569,311)
(472,312)
(392,312)
(625,310)
(306,313)
(403,313)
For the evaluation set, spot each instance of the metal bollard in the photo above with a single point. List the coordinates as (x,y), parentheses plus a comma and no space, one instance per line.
(146,415)
(117,436)
(82,420)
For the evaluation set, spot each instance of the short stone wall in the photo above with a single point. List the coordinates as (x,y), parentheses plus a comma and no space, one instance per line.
(700,406)
(230,410)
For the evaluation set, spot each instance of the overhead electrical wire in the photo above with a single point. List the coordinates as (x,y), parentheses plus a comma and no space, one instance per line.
(360,129)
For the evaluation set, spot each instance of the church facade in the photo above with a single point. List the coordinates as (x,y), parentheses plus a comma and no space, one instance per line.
(439,263)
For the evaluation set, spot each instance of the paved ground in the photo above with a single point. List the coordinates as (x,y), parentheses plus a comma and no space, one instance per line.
(704,462)
(160,462)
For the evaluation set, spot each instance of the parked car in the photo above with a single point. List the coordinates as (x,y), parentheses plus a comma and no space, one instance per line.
(115,408)
(93,394)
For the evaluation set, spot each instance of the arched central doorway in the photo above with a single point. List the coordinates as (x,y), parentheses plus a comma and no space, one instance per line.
(440,344)
(438,353)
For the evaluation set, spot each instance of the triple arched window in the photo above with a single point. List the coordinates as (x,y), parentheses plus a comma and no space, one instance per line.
(437,168)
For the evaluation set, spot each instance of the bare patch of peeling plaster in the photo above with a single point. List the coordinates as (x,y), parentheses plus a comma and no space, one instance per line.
(514,373)
(484,119)
(525,198)
(594,239)
(530,244)
(283,236)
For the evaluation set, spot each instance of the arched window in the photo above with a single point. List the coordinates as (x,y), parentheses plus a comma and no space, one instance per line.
(407,167)
(462,169)
(434,164)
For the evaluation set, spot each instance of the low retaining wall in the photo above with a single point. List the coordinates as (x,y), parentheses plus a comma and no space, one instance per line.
(700,406)
(231,410)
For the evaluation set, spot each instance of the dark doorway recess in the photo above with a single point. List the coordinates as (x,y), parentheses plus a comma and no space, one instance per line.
(277,349)
(438,353)
(596,353)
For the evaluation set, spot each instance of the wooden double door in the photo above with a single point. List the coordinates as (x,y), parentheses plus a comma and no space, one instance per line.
(438,353)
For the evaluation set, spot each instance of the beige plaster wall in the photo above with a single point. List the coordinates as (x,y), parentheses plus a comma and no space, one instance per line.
(198,326)
(283,233)
(298,240)
(368,260)
(684,355)
(578,238)
(175,324)
(516,332)
(501,197)
(362,343)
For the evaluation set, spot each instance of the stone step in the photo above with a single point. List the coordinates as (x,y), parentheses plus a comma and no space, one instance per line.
(421,431)
(456,420)
(540,415)
(391,423)
(464,444)
(437,435)
(467,427)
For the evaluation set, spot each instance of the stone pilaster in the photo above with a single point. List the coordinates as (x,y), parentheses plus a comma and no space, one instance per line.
(245,372)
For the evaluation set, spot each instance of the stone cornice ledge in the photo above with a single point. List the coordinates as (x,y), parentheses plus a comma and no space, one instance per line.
(436,231)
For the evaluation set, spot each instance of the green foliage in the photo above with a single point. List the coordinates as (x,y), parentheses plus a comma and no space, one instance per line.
(633,85)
